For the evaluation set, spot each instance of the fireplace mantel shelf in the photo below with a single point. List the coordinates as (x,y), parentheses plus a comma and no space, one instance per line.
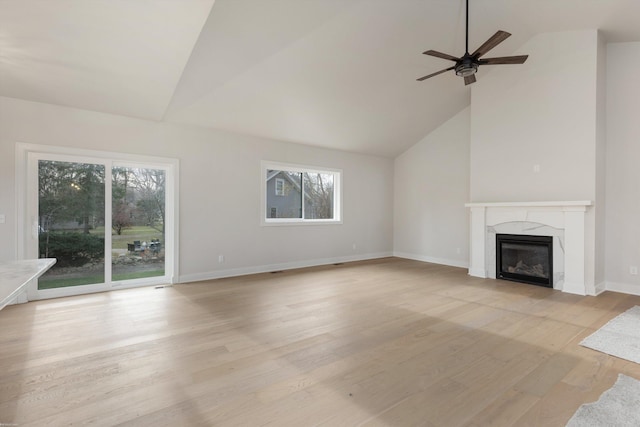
(529,204)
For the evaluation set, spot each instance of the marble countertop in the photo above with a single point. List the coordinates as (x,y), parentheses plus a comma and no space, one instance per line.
(15,275)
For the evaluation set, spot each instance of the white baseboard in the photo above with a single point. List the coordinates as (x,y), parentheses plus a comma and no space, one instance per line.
(21,298)
(243,271)
(433,260)
(600,288)
(574,288)
(478,272)
(625,288)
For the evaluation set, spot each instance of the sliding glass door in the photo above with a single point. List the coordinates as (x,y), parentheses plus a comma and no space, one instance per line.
(109,223)
(138,243)
(71,222)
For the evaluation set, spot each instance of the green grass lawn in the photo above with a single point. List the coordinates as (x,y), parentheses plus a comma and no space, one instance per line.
(138,275)
(129,235)
(63,282)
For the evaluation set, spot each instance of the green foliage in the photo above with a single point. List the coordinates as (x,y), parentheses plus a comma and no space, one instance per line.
(70,192)
(71,249)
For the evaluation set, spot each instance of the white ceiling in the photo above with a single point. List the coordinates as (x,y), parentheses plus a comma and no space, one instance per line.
(332,73)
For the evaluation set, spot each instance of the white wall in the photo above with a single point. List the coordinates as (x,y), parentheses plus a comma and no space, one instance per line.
(540,113)
(534,132)
(219,189)
(601,156)
(431,186)
(623,172)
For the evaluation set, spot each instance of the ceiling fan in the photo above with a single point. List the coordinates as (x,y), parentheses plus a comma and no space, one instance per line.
(467,65)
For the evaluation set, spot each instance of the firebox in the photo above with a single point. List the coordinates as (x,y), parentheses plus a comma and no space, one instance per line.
(526,259)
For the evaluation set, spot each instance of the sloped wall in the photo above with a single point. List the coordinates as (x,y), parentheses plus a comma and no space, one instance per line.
(431,186)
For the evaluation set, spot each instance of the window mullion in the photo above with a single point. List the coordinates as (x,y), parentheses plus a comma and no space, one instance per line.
(108,221)
(302,194)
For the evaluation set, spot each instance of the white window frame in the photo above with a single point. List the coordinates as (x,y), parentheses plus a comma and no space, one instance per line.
(26,160)
(289,167)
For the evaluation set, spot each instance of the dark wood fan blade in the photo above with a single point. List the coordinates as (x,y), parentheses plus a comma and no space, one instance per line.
(436,73)
(441,55)
(469,79)
(493,41)
(504,60)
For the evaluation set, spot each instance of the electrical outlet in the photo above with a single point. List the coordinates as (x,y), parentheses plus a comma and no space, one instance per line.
(220,259)
(633,270)
(536,168)
(2,218)
(354,246)
(458,251)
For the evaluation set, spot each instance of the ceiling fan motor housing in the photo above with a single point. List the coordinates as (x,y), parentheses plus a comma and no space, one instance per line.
(467,66)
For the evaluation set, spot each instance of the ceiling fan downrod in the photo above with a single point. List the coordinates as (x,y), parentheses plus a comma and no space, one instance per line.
(466,39)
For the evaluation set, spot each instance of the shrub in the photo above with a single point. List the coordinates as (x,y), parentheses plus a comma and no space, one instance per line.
(71,249)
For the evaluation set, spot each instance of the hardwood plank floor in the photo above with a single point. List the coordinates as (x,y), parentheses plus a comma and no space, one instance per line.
(390,342)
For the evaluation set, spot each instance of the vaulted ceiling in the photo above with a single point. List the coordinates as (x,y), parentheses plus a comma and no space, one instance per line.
(332,73)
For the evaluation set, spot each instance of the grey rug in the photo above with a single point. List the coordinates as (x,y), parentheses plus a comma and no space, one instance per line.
(619,406)
(620,337)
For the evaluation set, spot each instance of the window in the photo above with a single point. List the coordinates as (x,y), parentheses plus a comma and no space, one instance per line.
(300,194)
(279,187)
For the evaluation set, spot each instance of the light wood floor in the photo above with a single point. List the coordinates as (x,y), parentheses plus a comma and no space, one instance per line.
(382,343)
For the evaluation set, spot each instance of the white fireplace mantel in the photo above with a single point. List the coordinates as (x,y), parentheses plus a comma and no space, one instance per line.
(567,216)
(581,203)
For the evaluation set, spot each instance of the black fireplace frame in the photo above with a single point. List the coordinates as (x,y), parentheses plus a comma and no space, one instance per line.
(544,241)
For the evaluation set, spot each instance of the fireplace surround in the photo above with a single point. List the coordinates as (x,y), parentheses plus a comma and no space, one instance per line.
(564,221)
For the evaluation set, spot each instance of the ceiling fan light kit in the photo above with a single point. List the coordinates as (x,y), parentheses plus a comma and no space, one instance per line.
(467,65)
(466,69)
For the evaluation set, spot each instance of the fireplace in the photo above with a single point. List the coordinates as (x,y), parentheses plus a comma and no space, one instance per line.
(565,221)
(523,258)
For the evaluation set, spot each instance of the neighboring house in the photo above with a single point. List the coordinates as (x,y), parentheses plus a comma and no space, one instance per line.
(284,195)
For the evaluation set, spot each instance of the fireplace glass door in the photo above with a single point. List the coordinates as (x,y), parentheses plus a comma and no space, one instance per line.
(523,258)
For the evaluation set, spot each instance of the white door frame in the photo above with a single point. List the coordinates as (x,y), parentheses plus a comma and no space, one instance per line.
(27,156)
